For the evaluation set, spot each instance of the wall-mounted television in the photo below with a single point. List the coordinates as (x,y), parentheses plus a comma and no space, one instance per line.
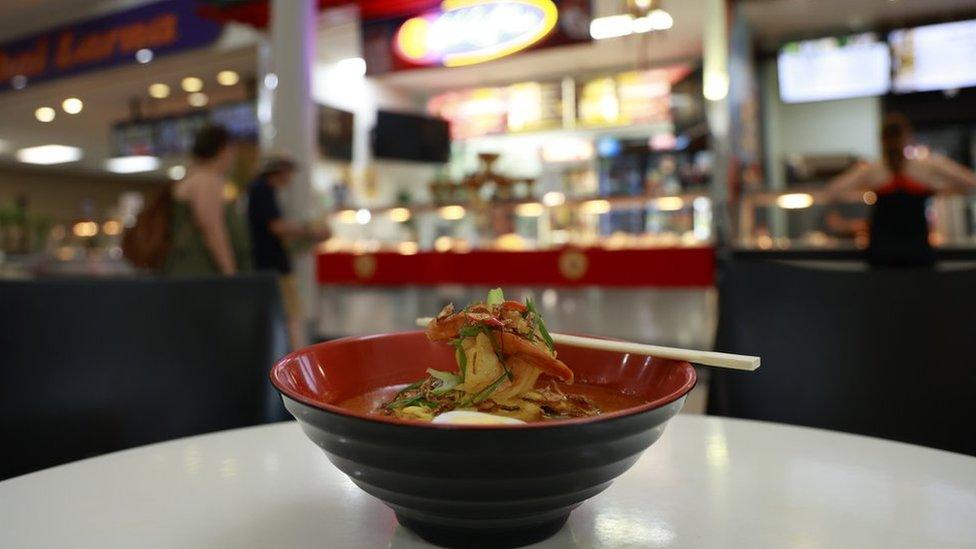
(335,133)
(411,137)
(934,57)
(834,68)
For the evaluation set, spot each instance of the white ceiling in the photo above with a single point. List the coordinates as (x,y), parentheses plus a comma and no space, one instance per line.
(107,93)
(107,96)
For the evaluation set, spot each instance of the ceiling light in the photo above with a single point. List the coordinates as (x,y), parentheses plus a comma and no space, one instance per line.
(144,55)
(18,82)
(553,198)
(191,84)
(132,164)
(408,248)
(595,207)
(111,227)
(615,26)
(49,154)
(716,85)
(85,229)
(271,81)
(443,243)
(658,20)
(353,66)
(198,99)
(794,201)
(399,215)
(176,172)
(44,114)
(72,105)
(669,203)
(451,213)
(159,90)
(363,216)
(612,26)
(228,78)
(529,209)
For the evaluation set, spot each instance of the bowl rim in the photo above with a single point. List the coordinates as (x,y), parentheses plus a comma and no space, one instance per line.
(281,363)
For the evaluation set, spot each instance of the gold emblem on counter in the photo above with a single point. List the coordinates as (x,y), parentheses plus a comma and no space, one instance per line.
(364,266)
(573,264)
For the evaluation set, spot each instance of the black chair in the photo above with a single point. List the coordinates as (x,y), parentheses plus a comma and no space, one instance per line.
(886,353)
(97,365)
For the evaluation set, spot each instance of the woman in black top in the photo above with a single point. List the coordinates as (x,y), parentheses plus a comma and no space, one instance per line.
(899,225)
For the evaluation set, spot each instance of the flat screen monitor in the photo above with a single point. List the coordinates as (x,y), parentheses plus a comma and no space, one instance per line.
(240,119)
(834,68)
(934,57)
(411,137)
(335,133)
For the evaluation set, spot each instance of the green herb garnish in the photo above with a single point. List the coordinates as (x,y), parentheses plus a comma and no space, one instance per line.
(412,386)
(462,359)
(541,325)
(483,394)
(404,402)
(471,330)
(495,297)
(448,381)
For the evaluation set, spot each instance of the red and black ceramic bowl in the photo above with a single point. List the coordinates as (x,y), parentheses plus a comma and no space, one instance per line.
(474,485)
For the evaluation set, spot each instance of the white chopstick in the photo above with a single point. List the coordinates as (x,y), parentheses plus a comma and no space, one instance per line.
(705,358)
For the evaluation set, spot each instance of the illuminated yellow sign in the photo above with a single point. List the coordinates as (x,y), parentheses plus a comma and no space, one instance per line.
(466,32)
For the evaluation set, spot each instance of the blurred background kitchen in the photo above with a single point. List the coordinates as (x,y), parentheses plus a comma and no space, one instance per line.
(604,156)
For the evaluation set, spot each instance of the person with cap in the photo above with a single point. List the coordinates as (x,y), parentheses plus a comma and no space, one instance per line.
(270,233)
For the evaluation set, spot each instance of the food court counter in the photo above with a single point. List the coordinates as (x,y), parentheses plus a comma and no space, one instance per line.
(659,295)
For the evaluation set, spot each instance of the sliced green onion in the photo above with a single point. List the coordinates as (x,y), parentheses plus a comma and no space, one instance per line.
(483,394)
(471,330)
(487,391)
(412,386)
(501,360)
(448,381)
(462,359)
(404,402)
(541,324)
(495,297)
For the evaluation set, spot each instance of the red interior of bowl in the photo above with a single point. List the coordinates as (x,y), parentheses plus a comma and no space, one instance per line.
(328,373)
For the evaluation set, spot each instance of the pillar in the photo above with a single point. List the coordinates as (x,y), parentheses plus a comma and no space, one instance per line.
(288,116)
(716,90)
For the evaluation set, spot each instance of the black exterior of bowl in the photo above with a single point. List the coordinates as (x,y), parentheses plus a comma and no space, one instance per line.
(482,487)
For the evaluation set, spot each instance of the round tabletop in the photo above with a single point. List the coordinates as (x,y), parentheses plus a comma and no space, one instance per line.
(708,482)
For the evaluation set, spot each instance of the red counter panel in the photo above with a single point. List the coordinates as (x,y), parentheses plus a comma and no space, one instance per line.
(663,267)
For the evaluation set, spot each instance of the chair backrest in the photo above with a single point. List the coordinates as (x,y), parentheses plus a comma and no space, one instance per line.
(887,353)
(97,365)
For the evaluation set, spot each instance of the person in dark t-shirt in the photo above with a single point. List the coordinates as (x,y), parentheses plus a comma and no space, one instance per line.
(270,232)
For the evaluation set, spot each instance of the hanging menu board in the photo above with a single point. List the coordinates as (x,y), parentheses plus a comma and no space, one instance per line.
(634,97)
(173,135)
(934,57)
(833,68)
(526,106)
(534,106)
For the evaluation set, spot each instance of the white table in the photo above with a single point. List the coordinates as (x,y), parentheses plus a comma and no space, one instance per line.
(707,483)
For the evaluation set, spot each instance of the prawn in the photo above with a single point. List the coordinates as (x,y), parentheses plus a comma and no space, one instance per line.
(510,344)
(448,325)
